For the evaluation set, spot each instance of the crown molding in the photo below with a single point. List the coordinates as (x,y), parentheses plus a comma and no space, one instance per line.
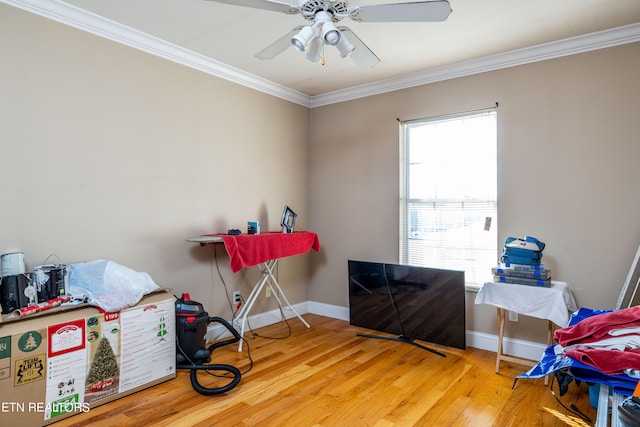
(565,47)
(81,19)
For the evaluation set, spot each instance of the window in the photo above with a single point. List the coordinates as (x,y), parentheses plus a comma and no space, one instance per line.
(448,194)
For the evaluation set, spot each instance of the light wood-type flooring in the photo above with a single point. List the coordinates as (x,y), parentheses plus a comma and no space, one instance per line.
(329,376)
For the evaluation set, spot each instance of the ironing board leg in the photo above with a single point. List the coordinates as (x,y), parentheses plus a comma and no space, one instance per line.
(266,279)
(244,311)
(269,266)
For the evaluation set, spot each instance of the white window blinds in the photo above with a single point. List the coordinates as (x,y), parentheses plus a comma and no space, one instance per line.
(448,193)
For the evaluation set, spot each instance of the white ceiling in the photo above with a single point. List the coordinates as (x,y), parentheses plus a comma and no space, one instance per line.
(231,35)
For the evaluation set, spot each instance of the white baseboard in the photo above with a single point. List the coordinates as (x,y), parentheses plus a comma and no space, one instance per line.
(328,310)
(513,347)
(216,331)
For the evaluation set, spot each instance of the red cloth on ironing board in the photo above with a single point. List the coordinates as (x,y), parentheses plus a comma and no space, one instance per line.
(596,327)
(247,250)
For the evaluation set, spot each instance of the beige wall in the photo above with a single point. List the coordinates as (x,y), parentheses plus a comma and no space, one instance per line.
(110,153)
(567,162)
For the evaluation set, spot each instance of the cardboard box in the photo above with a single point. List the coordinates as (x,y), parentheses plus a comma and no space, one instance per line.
(56,365)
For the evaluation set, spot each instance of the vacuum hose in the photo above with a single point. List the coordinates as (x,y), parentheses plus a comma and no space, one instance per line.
(212,391)
(202,356)
(236,335)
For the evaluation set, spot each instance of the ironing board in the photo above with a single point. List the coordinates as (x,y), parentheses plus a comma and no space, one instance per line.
(262,250)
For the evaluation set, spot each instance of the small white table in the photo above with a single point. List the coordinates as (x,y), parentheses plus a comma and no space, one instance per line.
(553,304)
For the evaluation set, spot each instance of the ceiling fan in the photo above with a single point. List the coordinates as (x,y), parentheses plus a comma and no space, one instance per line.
(325,14)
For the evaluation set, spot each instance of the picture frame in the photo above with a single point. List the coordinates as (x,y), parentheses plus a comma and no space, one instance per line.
(288,220)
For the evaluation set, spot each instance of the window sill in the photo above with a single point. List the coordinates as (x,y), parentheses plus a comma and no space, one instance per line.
(472,288)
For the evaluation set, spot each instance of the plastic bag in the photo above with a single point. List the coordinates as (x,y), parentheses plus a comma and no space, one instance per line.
(108,285)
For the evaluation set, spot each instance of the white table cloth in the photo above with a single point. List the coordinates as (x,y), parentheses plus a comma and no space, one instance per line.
(554,303)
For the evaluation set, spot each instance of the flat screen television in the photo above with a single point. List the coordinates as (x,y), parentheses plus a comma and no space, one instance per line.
(415,303)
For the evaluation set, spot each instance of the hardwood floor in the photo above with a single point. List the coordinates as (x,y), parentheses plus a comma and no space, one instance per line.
(328,376)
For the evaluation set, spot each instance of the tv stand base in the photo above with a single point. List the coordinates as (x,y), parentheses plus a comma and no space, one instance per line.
(404,339)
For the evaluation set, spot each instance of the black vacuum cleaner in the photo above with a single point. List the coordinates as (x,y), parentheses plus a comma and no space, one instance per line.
(191,352)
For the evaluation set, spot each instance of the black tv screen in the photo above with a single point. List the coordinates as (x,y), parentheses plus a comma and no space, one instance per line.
(417,303)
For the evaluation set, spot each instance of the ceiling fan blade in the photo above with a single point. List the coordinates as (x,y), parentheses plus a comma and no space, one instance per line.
(423,11)
(361,55)
(278,46)
(264,4)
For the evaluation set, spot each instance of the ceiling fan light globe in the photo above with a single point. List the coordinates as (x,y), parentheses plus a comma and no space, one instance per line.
(345,47)
(332,38)
(302,39)
(314,51)
(297,44)
(330,34)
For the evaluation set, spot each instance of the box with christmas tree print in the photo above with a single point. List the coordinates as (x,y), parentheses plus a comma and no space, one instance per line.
(56,365)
